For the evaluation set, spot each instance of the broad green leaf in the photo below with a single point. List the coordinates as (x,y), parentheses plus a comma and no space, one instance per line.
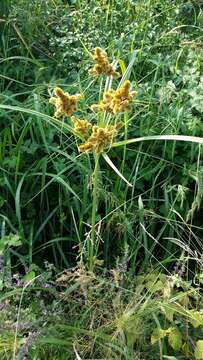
(14,240)
(199,350)
(130,338)
(175,339)
(9,240)
(195,318)
(29,276)
(158,334)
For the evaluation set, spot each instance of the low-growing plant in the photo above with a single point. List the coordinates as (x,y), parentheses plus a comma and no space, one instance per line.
(112,315)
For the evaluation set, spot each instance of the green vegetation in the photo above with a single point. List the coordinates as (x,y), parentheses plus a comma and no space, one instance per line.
(101,250)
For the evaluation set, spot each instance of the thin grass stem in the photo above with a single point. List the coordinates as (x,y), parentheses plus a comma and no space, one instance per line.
(91,241)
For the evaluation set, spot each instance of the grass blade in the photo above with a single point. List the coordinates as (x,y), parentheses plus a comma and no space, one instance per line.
(111,164)
(194,139)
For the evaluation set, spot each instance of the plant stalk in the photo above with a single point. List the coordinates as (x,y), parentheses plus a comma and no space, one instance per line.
(91,244)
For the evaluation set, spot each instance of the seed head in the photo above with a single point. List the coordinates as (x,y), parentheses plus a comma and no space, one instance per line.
(105,104)
(81,127)
(100,138)
(64,102)
(116,101)
(102,65)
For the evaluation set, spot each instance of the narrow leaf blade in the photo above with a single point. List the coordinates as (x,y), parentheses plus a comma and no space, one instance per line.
(111,164)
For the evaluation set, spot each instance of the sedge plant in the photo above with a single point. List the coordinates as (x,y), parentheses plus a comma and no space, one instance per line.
(100,135)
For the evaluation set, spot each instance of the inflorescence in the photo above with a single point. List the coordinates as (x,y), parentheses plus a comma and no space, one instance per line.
(81,127)
(114,101)
(65,103)
(100,138)
(102,65)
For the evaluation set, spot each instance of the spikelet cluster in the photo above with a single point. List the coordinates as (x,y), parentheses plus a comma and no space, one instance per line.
(117,101)
(81,127)
(102,65)
(65,103)
(100,138)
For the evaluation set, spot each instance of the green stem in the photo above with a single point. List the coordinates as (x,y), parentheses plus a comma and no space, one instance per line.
(126,137)
(94,211)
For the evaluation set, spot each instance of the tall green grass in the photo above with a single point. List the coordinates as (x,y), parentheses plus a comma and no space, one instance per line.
(52,209)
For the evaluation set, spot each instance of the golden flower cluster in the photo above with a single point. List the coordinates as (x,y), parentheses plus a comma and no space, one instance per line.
(64,102)
(81,127)
(116,101)
(102,65)
(100,138)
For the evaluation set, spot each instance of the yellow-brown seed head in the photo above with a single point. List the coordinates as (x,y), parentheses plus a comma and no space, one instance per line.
(100,138)
(105,104)
(64,102)
(81,127)
(116,101)
(102,65)
(122,98)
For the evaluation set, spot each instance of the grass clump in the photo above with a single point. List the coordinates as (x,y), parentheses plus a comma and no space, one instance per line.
(92,314)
